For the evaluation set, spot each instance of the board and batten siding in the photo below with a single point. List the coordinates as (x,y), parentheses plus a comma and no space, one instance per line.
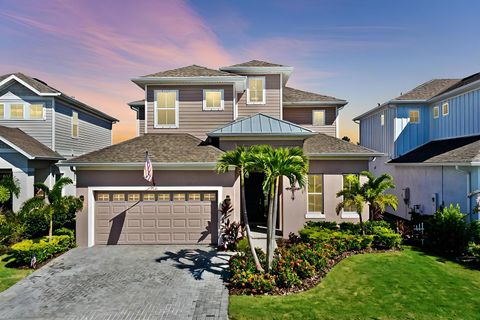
(409,136)
(272,99)
(38,129)
(93,132)
(303,116)
(192,118)
(375,136)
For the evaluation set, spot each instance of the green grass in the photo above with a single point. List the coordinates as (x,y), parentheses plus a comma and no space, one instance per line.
(9,276)
(396,285)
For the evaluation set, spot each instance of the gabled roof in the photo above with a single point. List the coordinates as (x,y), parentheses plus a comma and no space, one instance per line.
(256,63)
(166,148)
(428,89)
(463,150)
(323,145)
(43,89)
(296,96)
(26,145)
(464,82)
(191,71)
(261,125)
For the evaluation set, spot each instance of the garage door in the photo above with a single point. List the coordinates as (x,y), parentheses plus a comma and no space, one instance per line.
(155,217)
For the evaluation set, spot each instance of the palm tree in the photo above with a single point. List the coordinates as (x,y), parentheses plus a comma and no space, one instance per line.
(238,158)
(352,194)
(275,164)
(50,201)
(374,193)
(8,187)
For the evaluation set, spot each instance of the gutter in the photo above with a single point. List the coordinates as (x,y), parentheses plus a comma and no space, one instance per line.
(350,154)
(140,164)
(315,103)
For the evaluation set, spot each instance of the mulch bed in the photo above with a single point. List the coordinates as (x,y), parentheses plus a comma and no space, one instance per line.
(310,282)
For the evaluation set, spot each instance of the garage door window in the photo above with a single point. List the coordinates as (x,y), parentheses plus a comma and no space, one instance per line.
(133,197)
(164,197)
(193,196)
(149,197)
(103,197)
(209,197)
(118,197)
(179,197)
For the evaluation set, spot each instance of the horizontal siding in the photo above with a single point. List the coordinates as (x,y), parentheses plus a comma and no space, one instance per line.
(272,99)
(38,129)
(192,118)
(94,133)
(375,136)
(330,130)
(303,115)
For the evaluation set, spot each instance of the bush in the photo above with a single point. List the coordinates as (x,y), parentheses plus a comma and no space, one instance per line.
(254,282)
(350,227)
(385,238)
(64,232)
(242,246)
(447,232)
(36,224)
(41,248)
(322,225)
(11,230)
(474,250)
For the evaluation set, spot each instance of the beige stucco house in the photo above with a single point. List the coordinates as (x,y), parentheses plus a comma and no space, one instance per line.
(187,119)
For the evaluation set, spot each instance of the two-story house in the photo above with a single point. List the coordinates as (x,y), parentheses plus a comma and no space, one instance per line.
(187,119)
(430,140)
(40,127)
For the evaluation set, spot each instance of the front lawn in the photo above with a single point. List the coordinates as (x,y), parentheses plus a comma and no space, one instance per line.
(9,276)
(396,285)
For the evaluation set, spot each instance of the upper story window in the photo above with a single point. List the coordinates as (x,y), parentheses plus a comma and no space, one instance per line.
(315,193)
(445,109)
(436,112)
(166,108)
(74,124)
(2,111)
(256,90)
(37,111)
(382,119)
(213,99)
(318,117)
(414,116)
(16,111)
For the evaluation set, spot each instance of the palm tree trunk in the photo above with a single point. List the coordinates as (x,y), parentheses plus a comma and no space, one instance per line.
(361,223)
(50,230)
(270,225)
(245,221)
(274,222)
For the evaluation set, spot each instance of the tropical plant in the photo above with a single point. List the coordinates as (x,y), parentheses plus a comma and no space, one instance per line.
(238,158)
(275,164)
(50,201)
(374,193)
(8,186)
(230,231)
(353,197)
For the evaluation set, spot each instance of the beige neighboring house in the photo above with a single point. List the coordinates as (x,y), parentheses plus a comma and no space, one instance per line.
(188,118)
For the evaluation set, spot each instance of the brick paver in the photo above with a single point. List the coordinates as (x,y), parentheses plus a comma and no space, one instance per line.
(123,282)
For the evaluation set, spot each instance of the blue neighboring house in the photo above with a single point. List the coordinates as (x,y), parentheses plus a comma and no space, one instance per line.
(40,128)
(430,138)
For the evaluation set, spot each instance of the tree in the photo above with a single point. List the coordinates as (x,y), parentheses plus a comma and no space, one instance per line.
(346,138)
(275,164)
(352,195)
(374,193)
(51,201)
(239,158)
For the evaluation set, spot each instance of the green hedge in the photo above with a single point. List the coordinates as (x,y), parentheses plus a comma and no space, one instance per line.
(41,248)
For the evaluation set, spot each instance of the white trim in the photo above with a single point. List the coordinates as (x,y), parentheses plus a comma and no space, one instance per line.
(222,100)
(14,77)
(146,104)
(315,103)
(337,123)
(313,118)
(238,81)
(264,100)
(281,96)
(315,215)
(177,102)
(71,125)
(410,117)
(53,124)
(448,109)
(350,215)
(235,104)
(437,107)
(91,201)
(15,147)
(382,119)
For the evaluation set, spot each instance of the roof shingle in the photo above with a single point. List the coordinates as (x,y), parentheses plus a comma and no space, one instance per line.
(428,89)
(257,63)
(296,95)
(192,71)
(322,144)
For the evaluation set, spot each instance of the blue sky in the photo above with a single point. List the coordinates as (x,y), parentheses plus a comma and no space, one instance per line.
(362,51)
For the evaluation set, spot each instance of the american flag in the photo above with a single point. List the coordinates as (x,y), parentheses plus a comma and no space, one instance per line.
(148,169)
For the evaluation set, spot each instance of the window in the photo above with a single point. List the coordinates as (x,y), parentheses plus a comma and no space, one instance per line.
(414,116)
(436,112)
(318,117)
(2,111)
(166,108)
(149,197)
(382,119)
(213,99)
(133,197)
(347,184)
(36,111)
(118,197)
(209,197)
(16,111)
(103,197)
(179,197)
(256,90)
(193,196)
(445,109)
(315,193)
(164,197)
(74,124)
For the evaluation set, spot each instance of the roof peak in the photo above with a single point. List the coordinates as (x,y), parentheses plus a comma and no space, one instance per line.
(192,70)
(256,63)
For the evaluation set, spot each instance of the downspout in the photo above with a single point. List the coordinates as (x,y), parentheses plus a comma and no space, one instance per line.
(469,191)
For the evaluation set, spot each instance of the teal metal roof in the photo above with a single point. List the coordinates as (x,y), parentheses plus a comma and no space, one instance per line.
(260,124)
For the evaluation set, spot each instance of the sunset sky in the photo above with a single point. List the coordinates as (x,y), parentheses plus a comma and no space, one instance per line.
(362,51)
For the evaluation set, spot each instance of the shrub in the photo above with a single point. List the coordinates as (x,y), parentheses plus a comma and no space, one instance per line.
(322,225)
(350,227)
(41,248)
(36,223)
(385,238)
(242,246)
(474,231)
(286,277)
(11,230)
(254,282)
(65,232)
(474,250)
(370,226)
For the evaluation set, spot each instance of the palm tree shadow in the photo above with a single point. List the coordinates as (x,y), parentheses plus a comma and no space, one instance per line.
(199,262)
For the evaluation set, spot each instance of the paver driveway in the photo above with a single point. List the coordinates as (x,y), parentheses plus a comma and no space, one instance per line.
(123,282)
